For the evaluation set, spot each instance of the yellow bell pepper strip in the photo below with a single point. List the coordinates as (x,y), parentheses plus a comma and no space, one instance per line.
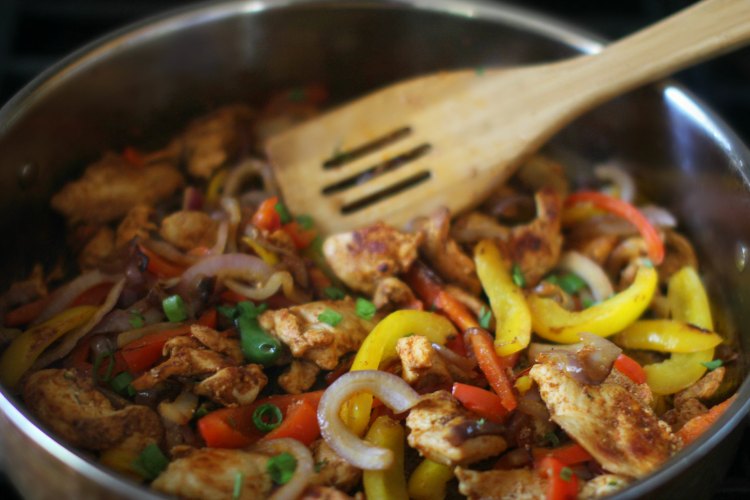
(27,347)
(213,191)
(380,345)
(552,322)
(428,480)
(688,302)
(266,256)
(390,483)
(508,304)
(665,335)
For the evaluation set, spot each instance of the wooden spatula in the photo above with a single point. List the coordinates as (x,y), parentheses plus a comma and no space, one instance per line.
(447,139)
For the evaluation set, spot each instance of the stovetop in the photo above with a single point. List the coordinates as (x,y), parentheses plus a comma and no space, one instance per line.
(36,33)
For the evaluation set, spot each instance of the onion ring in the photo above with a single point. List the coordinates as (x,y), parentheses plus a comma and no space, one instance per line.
(619,177)
(226,265)
(594,276)
(278,280)
(302,474)
(388,388)
(61,298)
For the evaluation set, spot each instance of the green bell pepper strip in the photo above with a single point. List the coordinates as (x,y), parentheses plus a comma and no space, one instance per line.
(257,345)
(552,322)
(380,345)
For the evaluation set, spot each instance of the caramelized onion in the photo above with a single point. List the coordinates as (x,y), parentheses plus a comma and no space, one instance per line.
(588,362)
(278,280)
(464,363)
(61,298)
(590,272)
(303,473)
(620,178)
(388,388)
(231,264)
(250,167)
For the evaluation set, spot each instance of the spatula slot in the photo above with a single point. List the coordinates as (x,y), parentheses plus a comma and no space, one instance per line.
(388,192)
(378,170)
(340,158)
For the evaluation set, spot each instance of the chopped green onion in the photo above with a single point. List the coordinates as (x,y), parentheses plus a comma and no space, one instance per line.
(175,309)
(647,263)
(587,302)
(136,319)
(239,479)
(283,213)
(552,439)
(365,309)
(334,292)
(612,482)
(257,345)
(330,317)
(305,221)
(566,473)
(201,412)
(518,277)
(712,365)
(151,462)
(317,245)
(571,283)
(485,316)
(121,384)
(250,310)
(98,364)
(281,468)
(267,417)
(229,312)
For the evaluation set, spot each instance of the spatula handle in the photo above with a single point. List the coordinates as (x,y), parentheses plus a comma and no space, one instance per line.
(706,29)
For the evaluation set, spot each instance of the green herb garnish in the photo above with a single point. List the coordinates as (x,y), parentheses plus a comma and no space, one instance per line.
(566,473)
(136,319)
(552,439)
(121,384)
(175,308)
(98,365)
(330,317)
(151,462)
(365,309)
(334,292)
(485,316)
(712,365)
(283,213)
(239,479)
(281,468)
(305,221)
(518,278)
(571,283)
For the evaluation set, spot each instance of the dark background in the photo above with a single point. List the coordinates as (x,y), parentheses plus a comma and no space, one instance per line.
(37,33)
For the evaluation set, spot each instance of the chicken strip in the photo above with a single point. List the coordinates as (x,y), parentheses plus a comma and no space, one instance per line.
(136,224)
(313,339)
(622,434)
(233,385)
(219,342)
(443,431)
(332,470)
(602,486)
(421,365)
(213,472)
(395,292)
(97,249)
(188,229)
(366,256)
(518,484)
(299,377)
(110,187)
(68,402)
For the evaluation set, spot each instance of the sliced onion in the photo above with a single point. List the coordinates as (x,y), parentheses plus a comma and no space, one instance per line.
(590,272)
(170,252)
(461,362)
(476,226)
(588,362)
(278,280)
(248,266)
(69,341)
(222,235)
(531,404)
(61,298)
(232,207)
(620,178)
(129,336)
(658,216)
(304,472)
(181,410)
(292,260)
(248,168)
(388,388)
(119,320)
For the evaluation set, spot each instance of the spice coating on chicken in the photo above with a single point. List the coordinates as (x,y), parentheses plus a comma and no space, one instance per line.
(69,403)
(110,187)
(621,433)
(136,224)
(308,337)
(233,385)
(443,431)
(188,229)
(97,249)
(323,493)
(219,342)
(366,256)
(602,486)
(332,470)
(299,377)
(518,484)
(393,291)
(213,472)
(421,365)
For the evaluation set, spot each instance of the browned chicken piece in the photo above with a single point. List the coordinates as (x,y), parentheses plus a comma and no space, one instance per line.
(97,249)
(421,365)
(233,385)
(186,357)
(323,493)
(110,187)
(442,251)
(518,484)
(136,224)
(597,248)
(682,413)
(641,392)
(332,469)
(68,403)
(443,431)
(393,291)
(188,229)
(366,256)
(212,141)
(213,472)
(299,377)
(602,486)
(704,389)
(474,226)
(219,342)
(308,337)
(622,434)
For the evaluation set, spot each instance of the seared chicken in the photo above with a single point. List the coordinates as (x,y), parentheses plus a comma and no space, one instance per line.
(188,229)
(69,403)
(443,431)
(602,486)
(622,434)
(136,224)
(310,338)
(393,291)
(641,392)
(110,187)
(97,249)
(212,473)
(233,385)
(332,469)
(364,257)
(421,365)
(299,377)
(518,484)
(219,342)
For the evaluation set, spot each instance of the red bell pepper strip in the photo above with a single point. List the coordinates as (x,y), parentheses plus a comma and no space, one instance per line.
(25,313)
(234,427)
(266,217)
(627,211)
(569,454)
(630,368)
(209,318)
(484,403)
(142,354)
(562,482)
(696,426)
(302,238)
(300,423)
(492,366)
(94,296)
(159,266)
